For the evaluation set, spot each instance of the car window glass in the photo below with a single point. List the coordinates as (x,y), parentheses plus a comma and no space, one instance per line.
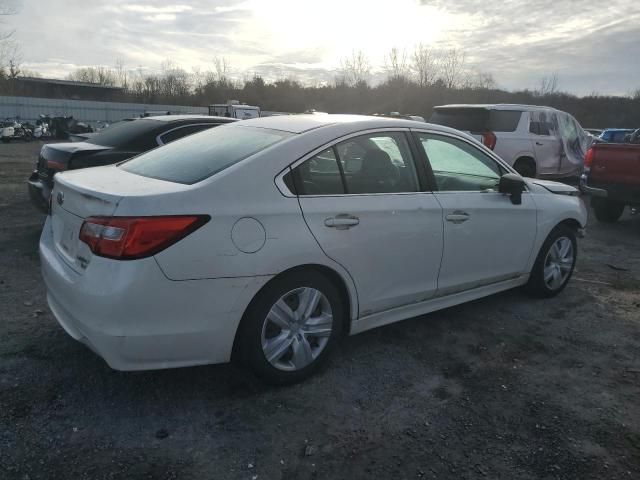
(138,135)
(504,120)
(204,154)
(179,132)
(378,163)
(458,166)
(475,119)
(320,175)
(540,128)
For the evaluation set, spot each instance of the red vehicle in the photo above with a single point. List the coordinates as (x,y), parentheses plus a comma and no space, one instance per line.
(612,177)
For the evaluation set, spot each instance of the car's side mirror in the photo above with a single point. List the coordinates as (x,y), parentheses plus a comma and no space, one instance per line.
(512,185)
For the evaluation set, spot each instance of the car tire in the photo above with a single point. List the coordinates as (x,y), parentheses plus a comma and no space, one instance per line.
(607,211)
(554,264)
(286,351)
(526,167)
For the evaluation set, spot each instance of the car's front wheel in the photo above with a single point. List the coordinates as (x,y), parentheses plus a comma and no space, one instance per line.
(555,263)
(290,328)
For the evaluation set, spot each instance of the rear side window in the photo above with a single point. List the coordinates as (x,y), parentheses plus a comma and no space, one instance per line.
(138,135)
(477,119)
(368,164)
(320,175)
(199,156)
(179,132)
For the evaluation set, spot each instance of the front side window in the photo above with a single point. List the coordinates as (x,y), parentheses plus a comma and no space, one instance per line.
(201,155)
(375,163)
(458,166)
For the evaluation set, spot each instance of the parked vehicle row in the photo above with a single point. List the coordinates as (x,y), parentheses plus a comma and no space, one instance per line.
(616,135)
(118,142)
(535,141)
(11,130)
(266,240)
(612,178)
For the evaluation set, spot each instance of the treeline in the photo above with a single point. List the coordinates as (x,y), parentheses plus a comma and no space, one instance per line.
(411,84)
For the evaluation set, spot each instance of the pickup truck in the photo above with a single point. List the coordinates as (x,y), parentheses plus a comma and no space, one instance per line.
(611,176)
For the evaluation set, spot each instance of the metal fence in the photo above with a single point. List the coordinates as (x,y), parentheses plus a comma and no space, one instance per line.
(30,108)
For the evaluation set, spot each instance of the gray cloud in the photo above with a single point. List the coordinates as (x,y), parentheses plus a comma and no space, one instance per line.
(591,45)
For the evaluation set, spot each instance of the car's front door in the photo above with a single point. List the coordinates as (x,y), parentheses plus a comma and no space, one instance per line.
(362,200)
(487,239)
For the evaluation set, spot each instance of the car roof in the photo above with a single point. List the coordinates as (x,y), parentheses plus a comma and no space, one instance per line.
(496,106)
(176,118)
(306,122)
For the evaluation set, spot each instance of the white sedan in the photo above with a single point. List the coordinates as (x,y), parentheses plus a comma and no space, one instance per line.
(268,239)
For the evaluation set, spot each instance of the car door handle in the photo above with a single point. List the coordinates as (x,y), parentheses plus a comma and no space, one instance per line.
(539,144)
(457,217)
(342,221)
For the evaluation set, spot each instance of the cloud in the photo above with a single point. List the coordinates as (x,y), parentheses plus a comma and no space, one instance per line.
(591,45)
(160,17)
(157,10)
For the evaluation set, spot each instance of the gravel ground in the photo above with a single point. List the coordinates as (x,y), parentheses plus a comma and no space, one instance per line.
(505,387)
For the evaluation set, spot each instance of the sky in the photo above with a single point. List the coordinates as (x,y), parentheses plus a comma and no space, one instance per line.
(593,46)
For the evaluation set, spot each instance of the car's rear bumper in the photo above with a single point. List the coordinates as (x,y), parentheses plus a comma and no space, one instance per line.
(38,192)
(135,318)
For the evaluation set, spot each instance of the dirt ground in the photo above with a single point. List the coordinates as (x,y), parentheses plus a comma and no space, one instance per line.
(505,387)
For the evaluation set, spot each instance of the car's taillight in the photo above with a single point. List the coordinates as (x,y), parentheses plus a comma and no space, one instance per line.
(129,238)
(489,140)
(53,165)
(588,159)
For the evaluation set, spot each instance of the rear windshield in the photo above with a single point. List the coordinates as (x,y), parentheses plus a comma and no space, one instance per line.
(201,155)
(125,133)
(477,119)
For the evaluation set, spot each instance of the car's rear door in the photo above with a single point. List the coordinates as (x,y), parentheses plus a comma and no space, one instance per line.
(546,141)
(487,239)
(363,200)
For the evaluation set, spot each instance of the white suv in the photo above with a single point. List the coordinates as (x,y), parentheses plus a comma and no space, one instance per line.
(536,141)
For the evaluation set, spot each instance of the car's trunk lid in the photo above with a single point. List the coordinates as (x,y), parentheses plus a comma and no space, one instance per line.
(55,157)
(94,192)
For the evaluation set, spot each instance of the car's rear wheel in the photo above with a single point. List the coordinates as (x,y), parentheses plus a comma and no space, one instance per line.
(290,328)
(607,211)
(555,263)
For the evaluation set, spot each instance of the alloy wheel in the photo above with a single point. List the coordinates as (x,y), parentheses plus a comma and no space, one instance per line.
(558,263)
(297,329)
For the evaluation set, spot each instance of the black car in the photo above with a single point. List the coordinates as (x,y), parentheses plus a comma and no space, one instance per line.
(112,145)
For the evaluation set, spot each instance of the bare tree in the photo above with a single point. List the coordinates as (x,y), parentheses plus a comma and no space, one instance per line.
(99,75)
(121,73)
(548,85)
(222,69)
(452,67)
(424,65)
(636,94)
(484,81)
(356,69)
(396,65)
(10,58)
